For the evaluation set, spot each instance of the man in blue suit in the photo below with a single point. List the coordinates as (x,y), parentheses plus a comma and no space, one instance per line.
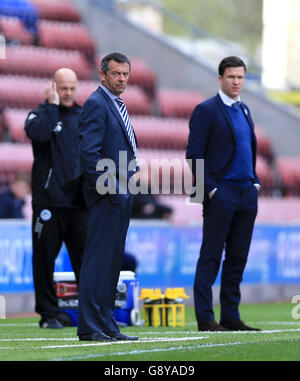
(108,156)
(222,133)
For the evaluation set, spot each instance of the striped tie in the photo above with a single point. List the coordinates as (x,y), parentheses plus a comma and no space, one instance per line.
(129,128)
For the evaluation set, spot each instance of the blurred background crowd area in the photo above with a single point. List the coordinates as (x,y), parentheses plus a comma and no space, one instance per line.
(174,48)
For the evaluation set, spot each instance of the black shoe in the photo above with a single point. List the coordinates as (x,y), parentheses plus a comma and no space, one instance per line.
(64,319)
(50,323)
(121,336)
(97,336)
(210,326)
(237,325)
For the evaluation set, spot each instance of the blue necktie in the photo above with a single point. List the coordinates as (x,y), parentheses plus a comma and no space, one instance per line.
(236,105)
(129,128)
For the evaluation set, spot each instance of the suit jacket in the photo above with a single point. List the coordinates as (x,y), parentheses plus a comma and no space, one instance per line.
(103,136)
(212,138)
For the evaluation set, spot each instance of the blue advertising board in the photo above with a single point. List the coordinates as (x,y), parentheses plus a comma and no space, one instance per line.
(166,255)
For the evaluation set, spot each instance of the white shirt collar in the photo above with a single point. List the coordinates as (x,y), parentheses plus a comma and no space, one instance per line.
(112,97)
(110,94)
(227,100)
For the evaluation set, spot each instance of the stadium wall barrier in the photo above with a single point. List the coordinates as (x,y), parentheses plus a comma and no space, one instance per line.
(167,255)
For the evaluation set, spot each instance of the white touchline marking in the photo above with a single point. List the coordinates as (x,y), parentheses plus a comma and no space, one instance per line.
(141,351)
(143,341)
(277,330)
(148,339)
(276,322)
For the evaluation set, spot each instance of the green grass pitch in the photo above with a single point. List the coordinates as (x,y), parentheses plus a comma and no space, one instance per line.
(21,339)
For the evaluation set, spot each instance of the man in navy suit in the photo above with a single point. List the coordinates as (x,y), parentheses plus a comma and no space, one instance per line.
(222,133)
(108,156)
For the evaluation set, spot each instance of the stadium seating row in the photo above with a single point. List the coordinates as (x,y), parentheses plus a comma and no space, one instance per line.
(264,144)
(27,92)
(172,133)
(274,209)
(42,62)
(15,31)
(152,132)
(28,11)
(177,158)
(59,10)
(14,120)
(16,156)
(289,175)
(161,133)
(65,35)
(51,34)
(177,103)
(141,75)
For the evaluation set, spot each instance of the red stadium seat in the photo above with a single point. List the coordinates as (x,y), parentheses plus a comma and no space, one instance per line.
(137,101)
(14,120)
(43,62)
(21,92)
(289,175)
(177,103)
(14,30)
(14,157)
(266,176)
(66,35)
(264,144)
(84,90)
(141,75)
(60,10)
(161,133)
(164,167)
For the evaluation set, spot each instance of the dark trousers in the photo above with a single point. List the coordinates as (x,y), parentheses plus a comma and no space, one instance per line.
(228,220)
(102,261)
(50,228)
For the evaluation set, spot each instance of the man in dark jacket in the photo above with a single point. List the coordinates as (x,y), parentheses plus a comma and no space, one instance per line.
(222,133)
(58,216)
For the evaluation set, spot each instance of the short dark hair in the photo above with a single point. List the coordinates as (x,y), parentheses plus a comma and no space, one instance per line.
(119,57)
(231,61)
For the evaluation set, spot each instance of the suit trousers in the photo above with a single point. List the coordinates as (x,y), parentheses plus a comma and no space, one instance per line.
(50,228)
(102,261)
(228,221)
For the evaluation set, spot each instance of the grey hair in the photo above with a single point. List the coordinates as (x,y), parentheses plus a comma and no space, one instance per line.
(115,57)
